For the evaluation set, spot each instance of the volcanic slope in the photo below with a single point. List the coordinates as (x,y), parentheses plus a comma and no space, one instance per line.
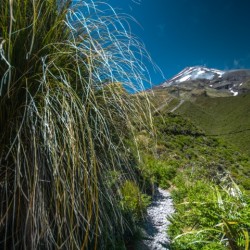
(227,118)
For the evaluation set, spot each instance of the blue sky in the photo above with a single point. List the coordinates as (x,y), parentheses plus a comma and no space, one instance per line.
(182,33)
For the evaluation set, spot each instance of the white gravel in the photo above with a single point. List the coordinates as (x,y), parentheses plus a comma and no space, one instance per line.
(156,237)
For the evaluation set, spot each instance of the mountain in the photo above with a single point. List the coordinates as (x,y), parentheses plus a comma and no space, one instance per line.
(216,101)
(194,73)
(231,82)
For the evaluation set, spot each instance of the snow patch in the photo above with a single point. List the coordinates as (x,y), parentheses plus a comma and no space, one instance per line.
(185,78)
(200,72)
(235,93)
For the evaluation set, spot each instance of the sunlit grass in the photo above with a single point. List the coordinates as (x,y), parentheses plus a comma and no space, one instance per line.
(65,119)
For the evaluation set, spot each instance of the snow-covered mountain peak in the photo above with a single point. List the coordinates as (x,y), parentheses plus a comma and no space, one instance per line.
(200,79)
(194,73)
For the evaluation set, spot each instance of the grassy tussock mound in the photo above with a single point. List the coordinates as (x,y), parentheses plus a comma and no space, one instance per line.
(63,127)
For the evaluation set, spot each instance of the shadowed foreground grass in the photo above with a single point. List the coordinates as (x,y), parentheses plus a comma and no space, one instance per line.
(63,127)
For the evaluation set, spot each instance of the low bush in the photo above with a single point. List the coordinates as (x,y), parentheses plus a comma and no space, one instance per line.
(133,201)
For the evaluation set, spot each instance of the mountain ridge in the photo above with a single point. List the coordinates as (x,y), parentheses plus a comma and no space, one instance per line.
(194,73)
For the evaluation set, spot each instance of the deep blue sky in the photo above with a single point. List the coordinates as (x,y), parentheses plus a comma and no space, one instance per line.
(181,33)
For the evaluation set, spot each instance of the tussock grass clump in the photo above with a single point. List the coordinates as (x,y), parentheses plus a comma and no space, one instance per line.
(65,123)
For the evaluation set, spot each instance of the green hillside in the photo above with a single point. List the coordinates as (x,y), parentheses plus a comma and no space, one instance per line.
(227,118)
(202,155)
(180,144)
(200,172)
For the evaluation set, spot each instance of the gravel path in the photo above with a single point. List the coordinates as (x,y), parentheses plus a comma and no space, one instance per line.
(173,110)
(164,104)
(156,224)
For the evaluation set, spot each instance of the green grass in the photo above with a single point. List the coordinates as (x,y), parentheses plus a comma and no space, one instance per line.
(227,118)
(209,215)
(211,210)
(180,144)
